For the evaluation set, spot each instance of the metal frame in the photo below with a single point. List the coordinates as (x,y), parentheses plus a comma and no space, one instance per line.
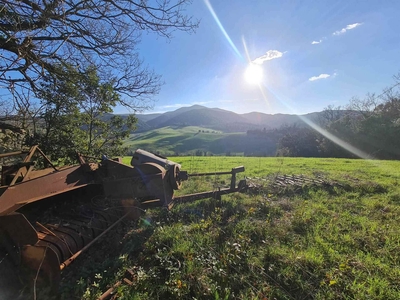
(26,167)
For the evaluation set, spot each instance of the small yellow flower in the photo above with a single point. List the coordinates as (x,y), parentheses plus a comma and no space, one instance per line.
(179,284)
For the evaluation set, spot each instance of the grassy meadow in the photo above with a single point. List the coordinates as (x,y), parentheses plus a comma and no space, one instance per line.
(174,139)
(187,140)
(337,240)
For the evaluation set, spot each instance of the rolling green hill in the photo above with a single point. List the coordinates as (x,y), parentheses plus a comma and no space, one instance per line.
(198,130)
(220,119)
(194,140)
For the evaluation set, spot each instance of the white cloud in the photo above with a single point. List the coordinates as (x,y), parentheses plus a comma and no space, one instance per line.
(352,26)
(348,27)
(271,54)
(316,42)
(321,76)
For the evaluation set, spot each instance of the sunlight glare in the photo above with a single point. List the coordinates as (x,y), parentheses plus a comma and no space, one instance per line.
(253,74)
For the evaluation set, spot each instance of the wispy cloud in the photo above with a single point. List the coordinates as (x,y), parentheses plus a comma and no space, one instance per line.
(271,54)
(338,32)
(348,27)
(321,76)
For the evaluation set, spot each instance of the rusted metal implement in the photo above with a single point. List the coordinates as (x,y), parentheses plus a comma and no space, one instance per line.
(49,216)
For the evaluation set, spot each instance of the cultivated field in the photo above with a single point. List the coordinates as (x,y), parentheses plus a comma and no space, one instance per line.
(337,237)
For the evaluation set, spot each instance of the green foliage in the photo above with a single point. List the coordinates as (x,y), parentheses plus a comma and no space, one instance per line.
(371,125)
(302,142)
(74,117)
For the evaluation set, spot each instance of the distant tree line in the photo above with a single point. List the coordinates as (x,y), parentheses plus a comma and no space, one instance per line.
(371,125)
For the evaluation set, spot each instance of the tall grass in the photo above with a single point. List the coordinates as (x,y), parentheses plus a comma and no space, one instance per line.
(336,241)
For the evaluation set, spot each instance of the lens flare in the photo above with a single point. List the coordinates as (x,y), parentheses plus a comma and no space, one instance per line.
(221,27)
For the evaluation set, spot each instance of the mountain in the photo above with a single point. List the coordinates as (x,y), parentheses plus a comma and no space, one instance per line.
(278,120)
(147,117)
(166,117)
(199,116)
(220,119)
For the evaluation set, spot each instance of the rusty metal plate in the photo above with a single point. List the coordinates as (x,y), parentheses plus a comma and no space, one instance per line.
(43,256)
(18,228)
(36,189)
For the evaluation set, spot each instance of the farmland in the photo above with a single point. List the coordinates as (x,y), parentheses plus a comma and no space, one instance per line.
(173,139)
(335,240)
(190,140)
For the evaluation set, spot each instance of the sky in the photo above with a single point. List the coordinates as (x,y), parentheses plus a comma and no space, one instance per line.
(311,54)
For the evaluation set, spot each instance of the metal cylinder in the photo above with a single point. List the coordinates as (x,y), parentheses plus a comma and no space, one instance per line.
(141,156)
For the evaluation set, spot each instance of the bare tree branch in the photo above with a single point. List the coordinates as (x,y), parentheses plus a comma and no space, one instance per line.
(36,35)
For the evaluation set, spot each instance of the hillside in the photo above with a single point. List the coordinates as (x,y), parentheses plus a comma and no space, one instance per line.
(219,119)
(195,140)
(278,120)
(164,118)
(198,130)
(201,116)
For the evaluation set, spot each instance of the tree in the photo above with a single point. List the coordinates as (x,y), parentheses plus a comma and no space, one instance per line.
(345,130)
(330,114)
(11,133)
(37,36)
(365,107)
(380,132)
(298,141)
(75,117)
(371,125)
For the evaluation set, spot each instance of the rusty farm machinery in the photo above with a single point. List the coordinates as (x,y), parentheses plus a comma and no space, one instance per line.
(49,216)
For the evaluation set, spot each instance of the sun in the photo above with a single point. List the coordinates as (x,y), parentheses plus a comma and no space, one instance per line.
(253,74)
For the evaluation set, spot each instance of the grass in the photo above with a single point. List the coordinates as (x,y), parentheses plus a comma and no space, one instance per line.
(174,139)
(318,242)
(381,171)
(187,140)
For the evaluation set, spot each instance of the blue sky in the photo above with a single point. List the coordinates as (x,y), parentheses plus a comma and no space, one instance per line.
(356,50)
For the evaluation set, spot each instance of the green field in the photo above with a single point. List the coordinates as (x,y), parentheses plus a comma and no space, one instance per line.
(187,140)
(174,139)
(337,240)
(381,171)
